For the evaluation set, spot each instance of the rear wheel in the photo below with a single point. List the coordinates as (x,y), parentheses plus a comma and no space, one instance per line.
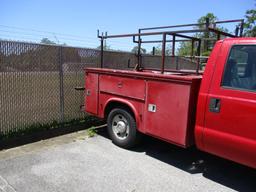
(122,128)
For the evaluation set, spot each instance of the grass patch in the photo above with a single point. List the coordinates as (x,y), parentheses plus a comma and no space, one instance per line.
(37,127)
(91,132)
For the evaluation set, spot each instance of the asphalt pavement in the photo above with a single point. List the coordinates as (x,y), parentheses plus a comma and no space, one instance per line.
(76,163)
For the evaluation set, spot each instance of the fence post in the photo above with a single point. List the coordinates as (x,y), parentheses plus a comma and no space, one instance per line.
(177,62)
(61,85)
(163,52)
(0,53)
(153,51)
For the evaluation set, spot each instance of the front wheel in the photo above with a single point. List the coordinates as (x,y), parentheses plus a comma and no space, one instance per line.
(122,128)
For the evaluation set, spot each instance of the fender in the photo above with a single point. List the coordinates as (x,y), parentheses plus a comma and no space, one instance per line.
(126,102)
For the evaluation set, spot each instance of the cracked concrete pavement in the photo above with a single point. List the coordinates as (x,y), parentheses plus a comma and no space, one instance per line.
(76,163)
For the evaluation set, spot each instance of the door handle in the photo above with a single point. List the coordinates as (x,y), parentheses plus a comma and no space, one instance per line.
(214,105)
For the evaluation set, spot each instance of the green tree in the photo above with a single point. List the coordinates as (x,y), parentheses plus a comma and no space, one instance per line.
(47,41)
(105,47)
(212,18)
(249,26)
(158,50)
(135,50)
(185,47)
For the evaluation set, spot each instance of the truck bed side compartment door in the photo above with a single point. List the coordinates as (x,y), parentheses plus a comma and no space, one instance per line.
(91,93)
(167,111)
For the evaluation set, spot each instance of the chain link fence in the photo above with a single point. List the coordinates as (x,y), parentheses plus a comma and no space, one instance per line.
(171,62)
(37,82)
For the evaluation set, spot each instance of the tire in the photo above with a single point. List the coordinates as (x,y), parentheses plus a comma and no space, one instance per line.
(122,128)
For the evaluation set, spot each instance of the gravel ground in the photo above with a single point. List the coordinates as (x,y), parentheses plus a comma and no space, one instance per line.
(74,162)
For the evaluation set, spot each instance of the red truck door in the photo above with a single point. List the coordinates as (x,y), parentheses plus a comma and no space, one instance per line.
(230,118)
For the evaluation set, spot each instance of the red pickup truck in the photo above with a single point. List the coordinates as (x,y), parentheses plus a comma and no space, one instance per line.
(214,110)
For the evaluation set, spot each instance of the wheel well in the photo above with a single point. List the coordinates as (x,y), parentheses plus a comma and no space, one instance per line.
(116,104)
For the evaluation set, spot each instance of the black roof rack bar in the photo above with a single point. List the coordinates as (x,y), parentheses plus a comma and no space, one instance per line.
(187,38)
(184,36)
(167,41)
(106,36)
(221,32)
(171,26)
(177,40)
(149,33)
(230,21)
(191,25)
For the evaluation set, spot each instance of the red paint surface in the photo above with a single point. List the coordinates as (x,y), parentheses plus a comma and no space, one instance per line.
(170,121)
(122,86)
(135,106)
(91,101)
(171,93)
(231,133)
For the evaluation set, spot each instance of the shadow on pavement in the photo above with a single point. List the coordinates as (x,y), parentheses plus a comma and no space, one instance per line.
(191,160)
(38,135)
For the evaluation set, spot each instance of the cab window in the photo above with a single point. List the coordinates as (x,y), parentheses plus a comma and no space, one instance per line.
(240,69)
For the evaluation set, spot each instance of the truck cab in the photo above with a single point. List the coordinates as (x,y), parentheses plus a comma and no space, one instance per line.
(226,124)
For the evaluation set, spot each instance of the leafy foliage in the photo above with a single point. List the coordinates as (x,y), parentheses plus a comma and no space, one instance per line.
(135,50)
(106,47)
(249,26)
(185,47)
(91,132)
(211,16)
(47,41)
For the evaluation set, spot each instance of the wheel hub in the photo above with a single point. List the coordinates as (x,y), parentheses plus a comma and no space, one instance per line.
(121,127)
